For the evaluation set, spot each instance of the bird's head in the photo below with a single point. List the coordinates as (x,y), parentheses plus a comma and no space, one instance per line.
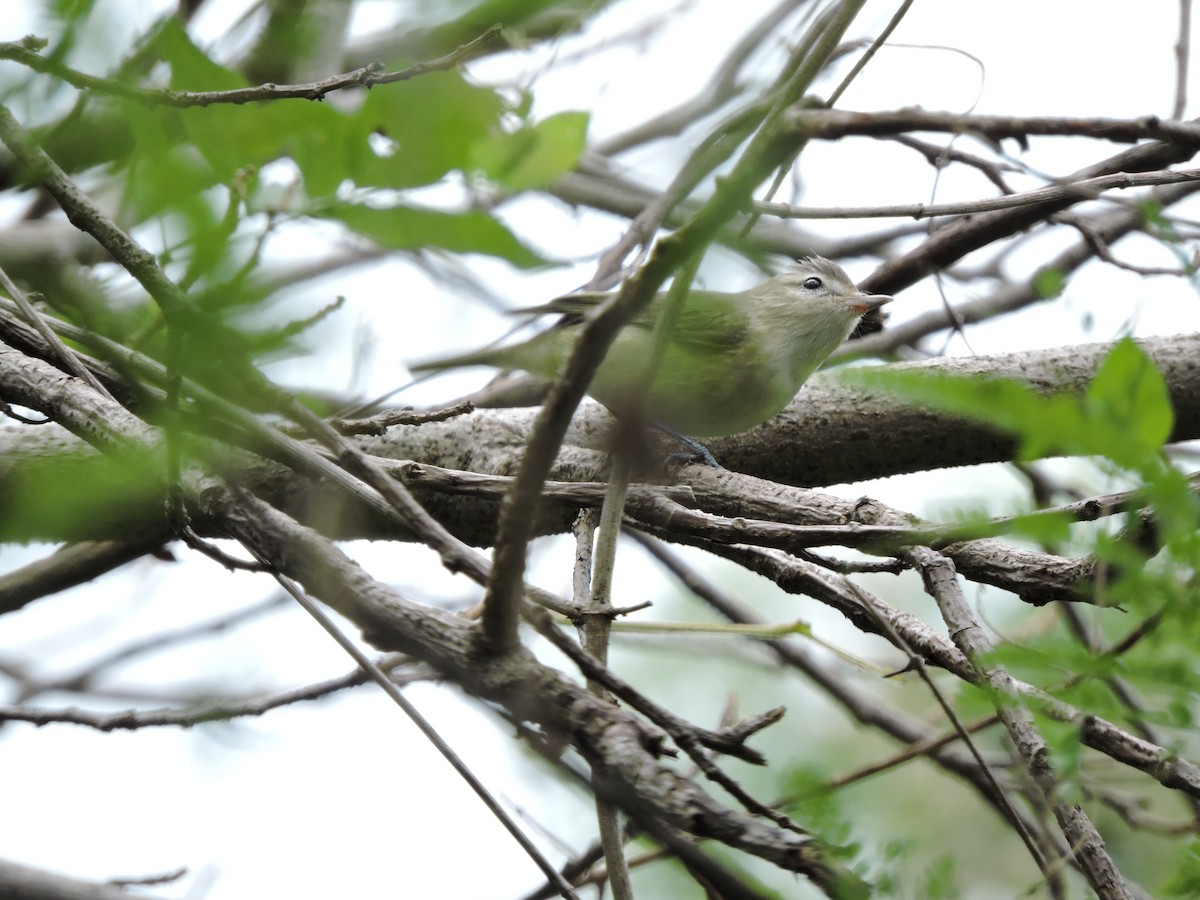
(824,282)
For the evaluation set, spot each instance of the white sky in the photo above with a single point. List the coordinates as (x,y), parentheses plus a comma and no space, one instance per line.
(346,799)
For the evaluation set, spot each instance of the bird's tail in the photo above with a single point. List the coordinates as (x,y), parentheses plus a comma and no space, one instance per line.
(484,357)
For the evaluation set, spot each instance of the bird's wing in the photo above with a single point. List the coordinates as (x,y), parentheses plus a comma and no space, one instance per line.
(709,319)
(712,320)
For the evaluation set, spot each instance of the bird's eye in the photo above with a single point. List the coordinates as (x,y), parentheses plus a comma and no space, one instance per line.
(812,284)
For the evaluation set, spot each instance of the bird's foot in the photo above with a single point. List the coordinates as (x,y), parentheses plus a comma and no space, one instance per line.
(696,453)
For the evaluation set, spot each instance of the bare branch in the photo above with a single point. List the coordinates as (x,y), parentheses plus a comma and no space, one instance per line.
(1087,846)
(367,76)
(35,884)
(381,422)
(1088,189)
(217,711)
(1005,299)
(947,246)
(67,567)
(830,125)
(721,87)
(1182,59)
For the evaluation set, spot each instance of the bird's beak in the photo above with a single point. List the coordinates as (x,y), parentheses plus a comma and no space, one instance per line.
(864,303)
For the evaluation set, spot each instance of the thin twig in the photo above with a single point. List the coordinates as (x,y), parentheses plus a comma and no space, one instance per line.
(216,711)
(1101,249)
(915,750)
(861,705)
(25,53)
(1111,225)
(1087,189)
(721,86)
(789,88)
(380,422)
(1182,59)
(68,357)
(82,680)
(595,624)
(431,734)
(731,742)
(829,125)
(861,62)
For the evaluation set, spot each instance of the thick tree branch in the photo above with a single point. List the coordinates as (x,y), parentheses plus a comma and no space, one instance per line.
(830,434)
(446,642)
(623,746)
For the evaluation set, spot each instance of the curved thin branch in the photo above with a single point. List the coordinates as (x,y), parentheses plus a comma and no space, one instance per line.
(1087,189)
(25,53)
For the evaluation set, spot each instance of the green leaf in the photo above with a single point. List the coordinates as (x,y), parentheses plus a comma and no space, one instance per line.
(322,142)
(940,880)
(1185,880)
(432,123)
(1128,404)
(1124,415)
(1045,423)
(81,496)
(233,137)
(1049,283)
(534,157)
(163,174)
(191,68)
(1176,511)
(406,228)
(1152,211)
(1045,529)
(73,9)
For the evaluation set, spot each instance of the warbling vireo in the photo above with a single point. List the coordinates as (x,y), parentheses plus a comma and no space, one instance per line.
(733,361)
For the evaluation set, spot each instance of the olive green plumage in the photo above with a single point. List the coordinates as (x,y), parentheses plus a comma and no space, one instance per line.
(733,360)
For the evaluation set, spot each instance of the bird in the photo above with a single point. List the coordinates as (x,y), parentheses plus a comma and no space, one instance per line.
(733,360)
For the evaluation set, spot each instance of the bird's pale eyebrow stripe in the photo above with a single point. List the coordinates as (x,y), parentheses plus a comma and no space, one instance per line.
(825,266)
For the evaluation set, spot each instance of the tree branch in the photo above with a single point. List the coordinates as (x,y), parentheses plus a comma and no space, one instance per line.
(25,53)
